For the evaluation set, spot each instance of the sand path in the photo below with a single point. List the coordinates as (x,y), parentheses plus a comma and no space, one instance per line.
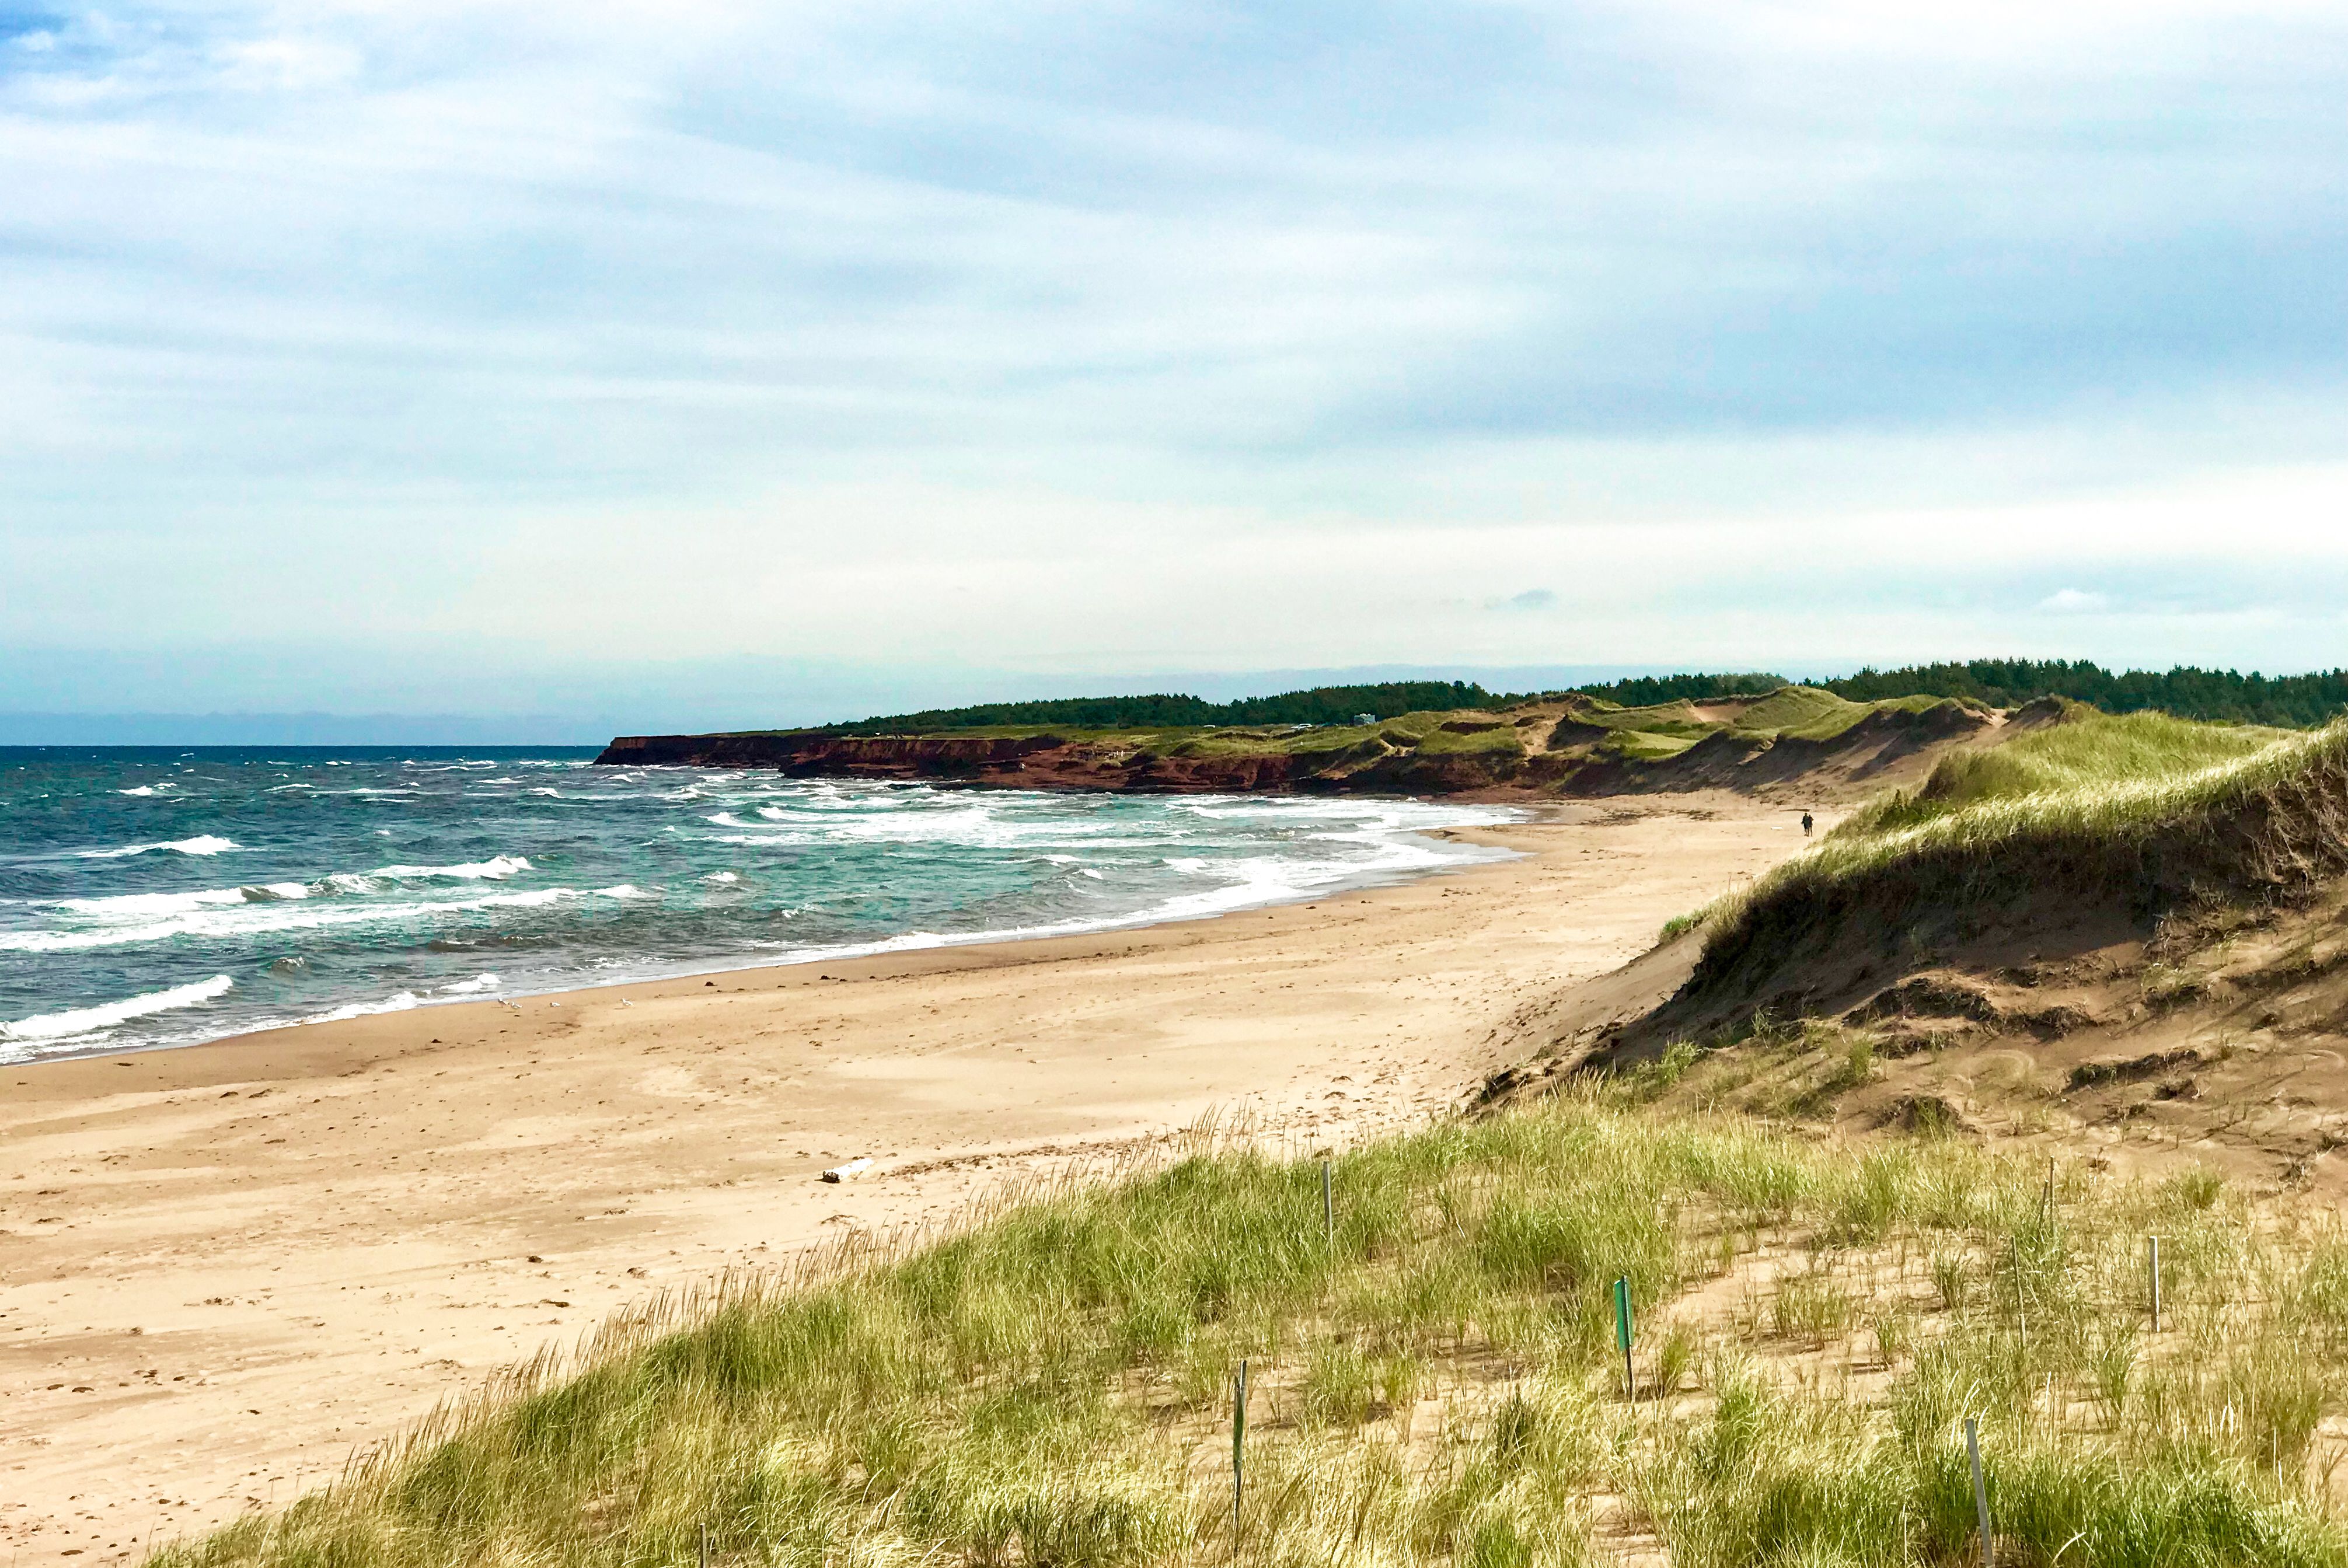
(221,1267)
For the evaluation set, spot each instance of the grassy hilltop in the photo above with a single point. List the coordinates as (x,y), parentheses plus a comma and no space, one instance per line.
(1569,742)
(1742,730)
(2184,692)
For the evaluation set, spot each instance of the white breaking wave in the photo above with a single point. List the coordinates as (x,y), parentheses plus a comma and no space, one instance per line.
(467,988)
(497,868)
(99,1020)
(202,844)
(398,1003)
(722,876)
(255,919)
(150,905)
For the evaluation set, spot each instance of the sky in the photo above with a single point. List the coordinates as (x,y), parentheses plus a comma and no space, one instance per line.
(696,363)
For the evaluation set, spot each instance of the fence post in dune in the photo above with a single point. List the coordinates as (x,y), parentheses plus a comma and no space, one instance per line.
(2156,1285)
(1980,1492)
(1328,1206)
(1623,1335)
(1239,1451)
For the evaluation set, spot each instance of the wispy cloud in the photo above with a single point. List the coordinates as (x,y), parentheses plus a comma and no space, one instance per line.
(396,315)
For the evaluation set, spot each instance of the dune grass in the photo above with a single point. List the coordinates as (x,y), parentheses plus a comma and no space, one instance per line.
(1436,1382)
(2091,754)
(2138,798)
(1789,713)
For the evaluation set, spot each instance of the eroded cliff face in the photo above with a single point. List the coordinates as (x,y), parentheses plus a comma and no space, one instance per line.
(1053,762)
(1539,753)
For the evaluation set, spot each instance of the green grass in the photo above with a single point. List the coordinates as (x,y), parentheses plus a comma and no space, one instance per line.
(1646,745)
(2143,807)
(1795,713)
(1050,1387)
(2091,754)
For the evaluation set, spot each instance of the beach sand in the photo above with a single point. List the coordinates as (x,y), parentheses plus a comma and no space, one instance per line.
(222,1267)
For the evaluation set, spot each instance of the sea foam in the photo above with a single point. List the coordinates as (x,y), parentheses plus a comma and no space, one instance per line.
(201,843)
(99,1020)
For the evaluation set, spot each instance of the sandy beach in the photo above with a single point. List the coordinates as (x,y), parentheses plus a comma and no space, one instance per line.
(222,1267)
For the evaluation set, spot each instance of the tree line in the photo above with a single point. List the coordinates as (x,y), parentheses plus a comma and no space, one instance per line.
(2187,690)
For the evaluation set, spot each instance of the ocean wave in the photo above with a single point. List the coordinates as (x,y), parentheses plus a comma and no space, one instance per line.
(201,843)
(722,876)
(477,984)
(149,906)
(497,868)
(146,790)
(624,890)
(400,1002)
(261,919)
(98,1020)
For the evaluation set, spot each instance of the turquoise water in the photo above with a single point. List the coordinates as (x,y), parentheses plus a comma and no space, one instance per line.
(155,898)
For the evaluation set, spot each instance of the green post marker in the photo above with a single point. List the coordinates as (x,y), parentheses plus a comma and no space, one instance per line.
(1239,1451)
(1980,1492)
(1623,1335)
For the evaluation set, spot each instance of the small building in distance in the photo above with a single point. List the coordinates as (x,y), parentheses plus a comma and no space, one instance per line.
(1365,718)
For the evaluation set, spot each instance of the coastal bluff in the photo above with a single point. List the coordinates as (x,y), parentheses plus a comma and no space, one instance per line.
(1796,739)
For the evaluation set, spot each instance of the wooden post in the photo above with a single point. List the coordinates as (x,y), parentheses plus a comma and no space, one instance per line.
(1980,1492)
(2156,1285)
(1623,1335)
(1328,1206)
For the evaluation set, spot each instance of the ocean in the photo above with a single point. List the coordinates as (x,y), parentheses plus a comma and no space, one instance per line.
(162,897)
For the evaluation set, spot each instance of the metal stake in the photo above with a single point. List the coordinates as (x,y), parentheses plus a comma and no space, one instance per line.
(1239,1451)
(1623,1335)
(1981,1492)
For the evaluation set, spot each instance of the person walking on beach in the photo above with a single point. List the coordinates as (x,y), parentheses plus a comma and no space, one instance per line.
(1806,824)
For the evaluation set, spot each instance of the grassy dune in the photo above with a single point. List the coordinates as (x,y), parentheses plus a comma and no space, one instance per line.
(2142,812)
(2138,761)
(1436,1382)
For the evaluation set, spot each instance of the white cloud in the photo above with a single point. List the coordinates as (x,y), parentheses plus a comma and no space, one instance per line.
(1172,337)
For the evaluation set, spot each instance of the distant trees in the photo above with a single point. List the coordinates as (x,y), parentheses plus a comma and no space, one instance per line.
(1644,691)
(1165,710)
(2187,691)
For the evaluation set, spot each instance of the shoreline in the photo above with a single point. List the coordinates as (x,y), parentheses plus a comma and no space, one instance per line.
(1159,914)
(979,944)
(223,1266)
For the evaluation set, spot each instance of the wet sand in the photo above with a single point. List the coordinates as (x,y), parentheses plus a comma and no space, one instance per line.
(224,1266)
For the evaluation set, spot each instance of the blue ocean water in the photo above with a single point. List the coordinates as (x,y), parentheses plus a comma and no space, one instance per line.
(162,897)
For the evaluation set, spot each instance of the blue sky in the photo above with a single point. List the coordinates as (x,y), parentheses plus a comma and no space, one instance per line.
(432,357)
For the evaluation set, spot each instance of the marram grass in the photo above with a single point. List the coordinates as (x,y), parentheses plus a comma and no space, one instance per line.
(1438,1383)
(2156,802)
